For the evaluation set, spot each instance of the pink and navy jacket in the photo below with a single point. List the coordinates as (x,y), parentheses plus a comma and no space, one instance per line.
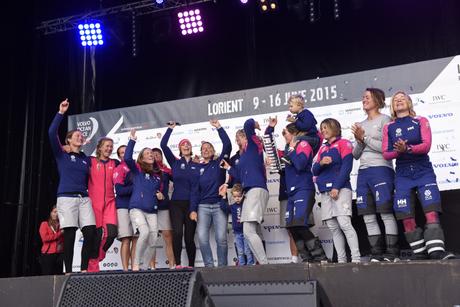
(123,183)
(183,172)
(73,167)
(416,132)
(250,171)
(298,175)
(335,175)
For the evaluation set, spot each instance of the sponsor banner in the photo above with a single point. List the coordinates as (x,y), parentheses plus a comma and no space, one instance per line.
(433,85)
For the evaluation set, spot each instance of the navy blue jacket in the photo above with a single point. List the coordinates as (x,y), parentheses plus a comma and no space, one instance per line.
(251,168)
(306,122)
(211,176)
(73,167)
(235,209)
(145,186)
(183,172)
(123,182)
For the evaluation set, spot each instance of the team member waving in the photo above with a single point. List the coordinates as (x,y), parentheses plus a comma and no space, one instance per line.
(143,205)
(205,204)
(73,204)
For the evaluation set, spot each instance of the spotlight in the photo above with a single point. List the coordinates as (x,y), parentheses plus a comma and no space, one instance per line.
(336,9)
(311,11)
(90,34)
(190,22)
(268,5)
(244,1)
(159,1)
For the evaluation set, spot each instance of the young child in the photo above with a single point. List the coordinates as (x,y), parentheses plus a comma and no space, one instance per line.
(304,121)
(245,256)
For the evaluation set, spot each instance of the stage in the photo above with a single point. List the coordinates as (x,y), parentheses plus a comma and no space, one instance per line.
(421,283)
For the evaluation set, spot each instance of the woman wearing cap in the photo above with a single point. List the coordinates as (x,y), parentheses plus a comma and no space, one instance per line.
(205,204)
(183,171)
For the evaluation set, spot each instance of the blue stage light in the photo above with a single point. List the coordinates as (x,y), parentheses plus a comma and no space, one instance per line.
(90,34)
(159,1)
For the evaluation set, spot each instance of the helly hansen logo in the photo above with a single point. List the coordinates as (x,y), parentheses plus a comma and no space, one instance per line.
(401,203)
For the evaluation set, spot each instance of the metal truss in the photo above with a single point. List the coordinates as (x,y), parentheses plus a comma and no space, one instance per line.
(138,8)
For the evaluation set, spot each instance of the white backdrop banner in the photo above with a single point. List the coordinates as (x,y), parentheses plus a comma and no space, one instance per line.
(433,85)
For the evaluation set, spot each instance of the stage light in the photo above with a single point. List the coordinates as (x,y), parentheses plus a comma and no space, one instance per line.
(90,34)
(311,11)
(159,1)
(268,5)
(190,22)
(336,9)
(244,1)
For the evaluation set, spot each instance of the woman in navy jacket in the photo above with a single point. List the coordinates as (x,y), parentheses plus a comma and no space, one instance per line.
(143,205)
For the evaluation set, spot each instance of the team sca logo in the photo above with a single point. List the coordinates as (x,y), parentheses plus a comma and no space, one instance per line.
(88,128)
(441,115)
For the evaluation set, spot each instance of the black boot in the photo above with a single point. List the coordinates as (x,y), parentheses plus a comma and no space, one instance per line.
(417,244)
(392,252)
(434,242)
(316,250)
(303,253)
(376,243)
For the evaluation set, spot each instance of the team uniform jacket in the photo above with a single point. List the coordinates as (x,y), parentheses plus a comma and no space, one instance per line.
(335,175)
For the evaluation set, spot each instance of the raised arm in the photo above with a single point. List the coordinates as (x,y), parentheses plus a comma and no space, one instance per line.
(164,145)
(56,145)
(253,141)
(129,153)
(226,143)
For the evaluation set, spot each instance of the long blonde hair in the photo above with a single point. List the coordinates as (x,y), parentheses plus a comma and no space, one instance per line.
(409,103)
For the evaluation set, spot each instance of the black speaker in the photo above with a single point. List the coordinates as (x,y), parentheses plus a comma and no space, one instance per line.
(154,288)
(264,293)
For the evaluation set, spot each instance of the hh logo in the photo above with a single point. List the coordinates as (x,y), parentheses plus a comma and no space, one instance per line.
(402,203)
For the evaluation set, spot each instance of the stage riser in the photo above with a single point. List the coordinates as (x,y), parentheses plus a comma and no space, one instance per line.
(428,283)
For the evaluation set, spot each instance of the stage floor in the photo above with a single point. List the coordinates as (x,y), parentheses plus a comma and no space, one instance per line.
(416,283)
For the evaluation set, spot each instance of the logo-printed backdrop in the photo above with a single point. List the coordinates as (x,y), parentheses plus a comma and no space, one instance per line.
(433,85)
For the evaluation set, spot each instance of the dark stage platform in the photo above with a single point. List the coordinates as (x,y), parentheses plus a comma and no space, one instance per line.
(421,283)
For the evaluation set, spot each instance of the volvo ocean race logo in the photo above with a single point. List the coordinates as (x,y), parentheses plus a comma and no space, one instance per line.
(88,128)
